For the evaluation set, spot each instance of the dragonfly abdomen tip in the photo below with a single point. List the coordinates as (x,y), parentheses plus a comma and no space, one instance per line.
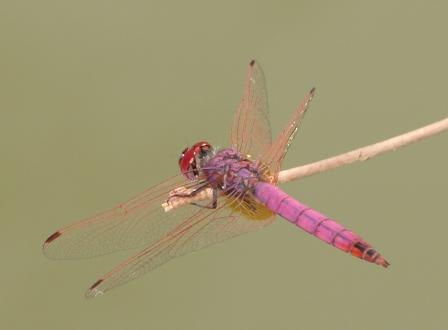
(382,262)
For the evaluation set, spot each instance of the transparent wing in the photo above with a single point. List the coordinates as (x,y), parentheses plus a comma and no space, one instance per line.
(251,132)
(274,155)
(139,221)
(201,229)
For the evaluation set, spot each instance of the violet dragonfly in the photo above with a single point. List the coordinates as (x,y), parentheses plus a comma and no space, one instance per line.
(244,197)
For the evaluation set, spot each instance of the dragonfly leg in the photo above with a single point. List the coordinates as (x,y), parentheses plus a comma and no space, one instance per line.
(224,180)
(214,201)
(184,192)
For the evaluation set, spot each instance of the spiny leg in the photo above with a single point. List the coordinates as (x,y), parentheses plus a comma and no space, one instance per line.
(214,201)
(193,193)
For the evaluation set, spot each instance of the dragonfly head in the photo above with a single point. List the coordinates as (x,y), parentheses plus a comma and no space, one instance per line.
(191,158)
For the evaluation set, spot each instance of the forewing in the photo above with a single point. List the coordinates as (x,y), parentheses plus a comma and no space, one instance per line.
(203,228)
(274,156)
(251,131)
(139,221)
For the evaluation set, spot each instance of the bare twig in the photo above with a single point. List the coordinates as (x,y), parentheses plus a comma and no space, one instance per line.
(360,154)
(364,153)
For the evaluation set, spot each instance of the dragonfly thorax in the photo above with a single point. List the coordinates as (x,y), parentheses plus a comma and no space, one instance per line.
(230,171)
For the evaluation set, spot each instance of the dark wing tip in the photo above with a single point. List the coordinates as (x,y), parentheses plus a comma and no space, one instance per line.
(53,237)
(252,63)
(312,90)
(93,291)
(94,285)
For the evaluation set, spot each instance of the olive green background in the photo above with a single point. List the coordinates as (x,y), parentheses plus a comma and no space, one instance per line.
(98,98)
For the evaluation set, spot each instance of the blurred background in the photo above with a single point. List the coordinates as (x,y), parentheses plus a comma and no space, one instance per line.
(98,98)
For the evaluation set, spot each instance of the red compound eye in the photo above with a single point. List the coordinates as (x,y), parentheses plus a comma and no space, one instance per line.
(182,155)
(187,161)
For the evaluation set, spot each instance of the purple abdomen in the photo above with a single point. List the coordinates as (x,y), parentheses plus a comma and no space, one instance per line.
(316,223)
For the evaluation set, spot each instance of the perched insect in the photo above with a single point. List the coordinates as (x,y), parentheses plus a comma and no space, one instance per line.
(245,197)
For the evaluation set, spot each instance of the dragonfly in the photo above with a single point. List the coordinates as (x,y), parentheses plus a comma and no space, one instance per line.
(243,196)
